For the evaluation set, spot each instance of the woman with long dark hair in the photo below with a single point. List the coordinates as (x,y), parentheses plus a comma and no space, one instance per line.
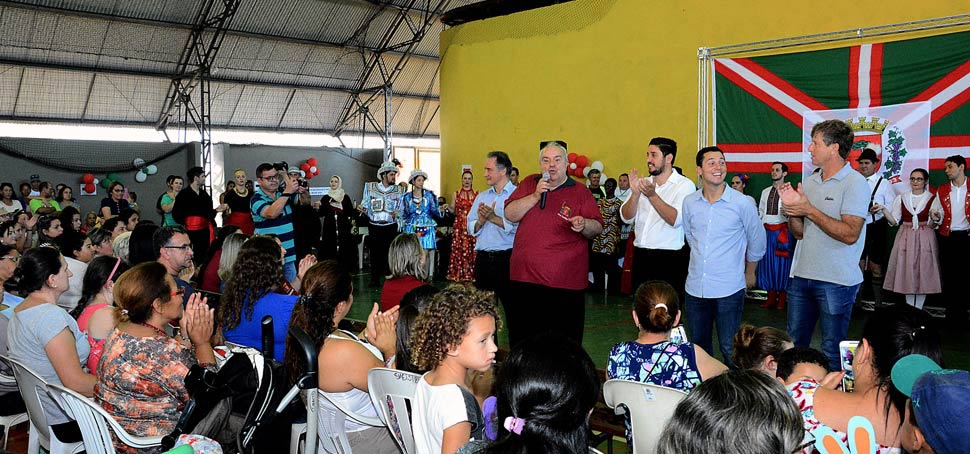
(889,334)
(327,296)
(45,338)
(8,203)
(252,292)
(115,202)
(545,392)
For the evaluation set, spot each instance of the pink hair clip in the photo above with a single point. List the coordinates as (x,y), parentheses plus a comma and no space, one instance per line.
(514,425)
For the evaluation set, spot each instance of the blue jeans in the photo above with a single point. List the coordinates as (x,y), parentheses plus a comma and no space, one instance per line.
(701,315)
(289,271)
(810,301)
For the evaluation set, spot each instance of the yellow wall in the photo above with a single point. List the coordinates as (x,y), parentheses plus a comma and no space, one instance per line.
(606,75)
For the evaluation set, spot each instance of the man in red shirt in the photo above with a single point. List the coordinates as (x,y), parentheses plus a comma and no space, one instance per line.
(550,258)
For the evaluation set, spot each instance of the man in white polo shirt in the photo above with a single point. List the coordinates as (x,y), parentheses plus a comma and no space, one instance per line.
(654,207)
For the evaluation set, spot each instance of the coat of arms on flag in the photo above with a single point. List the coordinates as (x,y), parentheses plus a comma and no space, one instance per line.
(908,100)
(899,134)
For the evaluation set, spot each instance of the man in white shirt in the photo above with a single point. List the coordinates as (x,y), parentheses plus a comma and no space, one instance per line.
(949,210)
(874,254)
(654,207)
(775,267)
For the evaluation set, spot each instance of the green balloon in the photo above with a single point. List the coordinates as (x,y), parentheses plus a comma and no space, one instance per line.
(105,182)
(112,176)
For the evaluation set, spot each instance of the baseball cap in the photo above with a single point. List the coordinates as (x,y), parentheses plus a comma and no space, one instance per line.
(34,178)
(940,399)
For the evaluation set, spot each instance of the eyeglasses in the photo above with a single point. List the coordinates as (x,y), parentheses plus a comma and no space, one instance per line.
(184,247)
(12,258)
(270,177)
(118,190)
(917,179)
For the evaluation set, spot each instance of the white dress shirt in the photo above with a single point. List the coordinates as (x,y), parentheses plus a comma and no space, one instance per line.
(652,231)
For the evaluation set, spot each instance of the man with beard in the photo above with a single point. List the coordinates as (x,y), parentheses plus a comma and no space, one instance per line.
(654,209)
(775,267)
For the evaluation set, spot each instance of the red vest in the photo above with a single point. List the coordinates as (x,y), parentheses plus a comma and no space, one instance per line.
(944,194)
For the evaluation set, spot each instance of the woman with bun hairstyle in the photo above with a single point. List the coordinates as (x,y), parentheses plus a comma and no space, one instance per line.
(759,348)
(652,357)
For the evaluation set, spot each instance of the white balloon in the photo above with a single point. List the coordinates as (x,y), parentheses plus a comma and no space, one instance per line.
(598,165)
(303,174)
(586,171)
(152,169)
(572,165)
(138,162)
(96,181)
(313,169)
(140,177)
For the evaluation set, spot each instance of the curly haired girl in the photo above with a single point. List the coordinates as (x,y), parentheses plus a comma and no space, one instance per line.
(453,335)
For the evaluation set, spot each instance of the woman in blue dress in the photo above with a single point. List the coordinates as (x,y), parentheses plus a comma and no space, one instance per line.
(419,214)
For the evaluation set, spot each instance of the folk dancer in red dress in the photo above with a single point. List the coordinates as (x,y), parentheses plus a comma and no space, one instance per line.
(461,267)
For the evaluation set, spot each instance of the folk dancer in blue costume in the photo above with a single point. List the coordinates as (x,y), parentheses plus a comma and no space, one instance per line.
(775,266)
(419,210)
(382,204)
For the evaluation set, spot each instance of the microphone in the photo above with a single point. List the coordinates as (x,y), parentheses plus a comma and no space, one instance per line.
(542,200)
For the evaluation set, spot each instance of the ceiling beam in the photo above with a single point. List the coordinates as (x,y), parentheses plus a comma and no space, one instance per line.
(224,80)
(151,124)
(235,32)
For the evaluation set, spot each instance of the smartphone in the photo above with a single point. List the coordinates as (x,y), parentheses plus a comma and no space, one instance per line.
(678,335)
(846,354)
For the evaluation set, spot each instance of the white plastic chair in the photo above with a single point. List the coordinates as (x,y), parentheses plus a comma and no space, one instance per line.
(649,408)
(95,423)
(390,390)
(31,385)
(11,420)
(331,433)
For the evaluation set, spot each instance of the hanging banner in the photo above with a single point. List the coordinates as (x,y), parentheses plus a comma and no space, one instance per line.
(906,99)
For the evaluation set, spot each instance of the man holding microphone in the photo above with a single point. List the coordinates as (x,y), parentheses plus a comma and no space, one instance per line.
(550,258)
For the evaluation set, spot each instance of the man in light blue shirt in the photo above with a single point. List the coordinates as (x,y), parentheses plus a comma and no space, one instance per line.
(726,241)
(493,233)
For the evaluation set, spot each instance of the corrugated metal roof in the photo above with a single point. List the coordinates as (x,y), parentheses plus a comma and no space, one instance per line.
(284,63)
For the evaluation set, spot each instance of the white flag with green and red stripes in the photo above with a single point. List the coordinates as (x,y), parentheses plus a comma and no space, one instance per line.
(909,100)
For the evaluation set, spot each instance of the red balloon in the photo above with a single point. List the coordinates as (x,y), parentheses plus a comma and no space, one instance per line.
(582,161)
(312,161)
(572,157)
(89,187)
(87,178)
(305,167)
(309,176)
(317,172)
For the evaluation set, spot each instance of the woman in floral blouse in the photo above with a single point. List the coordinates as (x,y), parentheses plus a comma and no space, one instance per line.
(142,370)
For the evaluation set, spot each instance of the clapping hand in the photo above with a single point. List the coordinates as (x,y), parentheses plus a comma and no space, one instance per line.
(642,185)
(197,320)
(486,211)
(793,200)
